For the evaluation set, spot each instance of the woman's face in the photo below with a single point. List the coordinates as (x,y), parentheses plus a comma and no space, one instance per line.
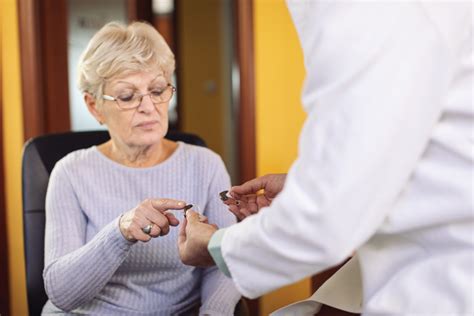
(143,126)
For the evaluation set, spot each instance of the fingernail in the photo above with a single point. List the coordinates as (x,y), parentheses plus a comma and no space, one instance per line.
(181,203)
(186,208)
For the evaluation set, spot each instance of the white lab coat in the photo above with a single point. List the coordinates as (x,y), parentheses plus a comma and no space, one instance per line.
(385,162)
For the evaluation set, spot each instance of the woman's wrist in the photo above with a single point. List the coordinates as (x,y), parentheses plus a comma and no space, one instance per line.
(123,231)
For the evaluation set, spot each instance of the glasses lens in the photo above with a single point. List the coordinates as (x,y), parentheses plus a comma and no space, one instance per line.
(134,100)
(129,102)
(162,96)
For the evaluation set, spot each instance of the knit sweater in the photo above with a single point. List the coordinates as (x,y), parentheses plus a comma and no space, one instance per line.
(90,268)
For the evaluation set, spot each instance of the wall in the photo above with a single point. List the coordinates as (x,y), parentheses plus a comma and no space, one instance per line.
(85,18)
(204,53)
(13,142)
(279,74)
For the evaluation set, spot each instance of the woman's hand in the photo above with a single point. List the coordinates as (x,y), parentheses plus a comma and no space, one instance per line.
(150,213)
(246,198)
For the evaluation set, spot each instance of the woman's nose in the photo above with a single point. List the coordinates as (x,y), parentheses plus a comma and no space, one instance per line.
(146,105)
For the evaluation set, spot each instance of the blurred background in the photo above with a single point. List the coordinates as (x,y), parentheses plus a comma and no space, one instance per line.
(239,76)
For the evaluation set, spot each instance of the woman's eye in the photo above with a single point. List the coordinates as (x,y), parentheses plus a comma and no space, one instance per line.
(157,93)
(126,98)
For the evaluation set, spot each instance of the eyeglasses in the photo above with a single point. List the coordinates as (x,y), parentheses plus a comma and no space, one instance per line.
(133,100)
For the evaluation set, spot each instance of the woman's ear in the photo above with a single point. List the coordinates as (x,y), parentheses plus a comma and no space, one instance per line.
(91,103)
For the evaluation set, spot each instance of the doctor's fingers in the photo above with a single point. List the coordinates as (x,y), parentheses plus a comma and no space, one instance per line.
(237,211)
(262,201)
(251,207)
(249,187)
(245,211)
(241,201)
(272,184)
(250,204)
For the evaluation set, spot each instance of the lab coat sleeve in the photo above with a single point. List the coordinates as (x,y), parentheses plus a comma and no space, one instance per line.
(375,77)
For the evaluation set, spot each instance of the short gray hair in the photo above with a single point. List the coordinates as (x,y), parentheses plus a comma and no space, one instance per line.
(117,49)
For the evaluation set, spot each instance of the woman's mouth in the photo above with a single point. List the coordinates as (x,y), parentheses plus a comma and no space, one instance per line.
(147,124)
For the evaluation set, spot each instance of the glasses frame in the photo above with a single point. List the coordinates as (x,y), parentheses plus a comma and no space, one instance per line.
(111,98)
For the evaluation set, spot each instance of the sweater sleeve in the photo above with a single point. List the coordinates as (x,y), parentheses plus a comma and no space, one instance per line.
(75,271)
(218,293)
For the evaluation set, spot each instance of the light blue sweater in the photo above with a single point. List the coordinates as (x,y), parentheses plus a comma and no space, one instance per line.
(91,268)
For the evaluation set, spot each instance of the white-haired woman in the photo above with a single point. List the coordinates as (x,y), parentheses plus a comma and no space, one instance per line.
(106,205)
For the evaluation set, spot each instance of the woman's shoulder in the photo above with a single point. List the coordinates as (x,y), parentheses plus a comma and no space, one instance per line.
(200,152)
(77,158)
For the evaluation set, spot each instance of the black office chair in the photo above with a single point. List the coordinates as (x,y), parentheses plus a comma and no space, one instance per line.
(40,154)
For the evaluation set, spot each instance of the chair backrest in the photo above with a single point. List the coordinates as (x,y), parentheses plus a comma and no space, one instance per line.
(40,154)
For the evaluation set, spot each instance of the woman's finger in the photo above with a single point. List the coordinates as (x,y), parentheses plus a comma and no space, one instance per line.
(155,231)
(172,220)
(165,230)
(155,217)
(163,205)
(138,234)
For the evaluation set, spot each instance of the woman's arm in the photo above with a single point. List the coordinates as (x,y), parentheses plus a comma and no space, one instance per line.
(75,271)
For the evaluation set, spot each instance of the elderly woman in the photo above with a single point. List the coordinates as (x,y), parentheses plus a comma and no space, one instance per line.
(111,247)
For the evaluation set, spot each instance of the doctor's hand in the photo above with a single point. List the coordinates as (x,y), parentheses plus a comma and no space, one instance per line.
(194,235)
(149,219)
(250,197)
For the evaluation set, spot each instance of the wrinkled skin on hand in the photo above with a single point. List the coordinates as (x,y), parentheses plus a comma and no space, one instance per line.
(194,236)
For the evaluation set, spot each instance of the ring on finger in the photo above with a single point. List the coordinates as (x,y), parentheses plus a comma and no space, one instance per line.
(147,229)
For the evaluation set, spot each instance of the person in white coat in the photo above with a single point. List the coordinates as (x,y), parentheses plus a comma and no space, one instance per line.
(384,168)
